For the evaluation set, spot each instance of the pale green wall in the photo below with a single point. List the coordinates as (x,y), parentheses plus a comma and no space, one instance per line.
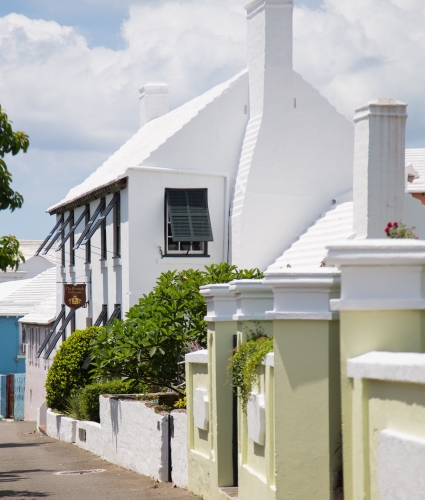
(211,468)
(307,407)
(256,462)
(361,332)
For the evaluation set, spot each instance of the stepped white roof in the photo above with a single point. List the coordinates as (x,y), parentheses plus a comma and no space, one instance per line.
(336,224)
(21,297)
(43,314)
(147,140)
(309,250)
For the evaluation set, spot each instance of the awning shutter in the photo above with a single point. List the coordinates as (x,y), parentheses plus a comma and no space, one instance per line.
(51,332)
(115,315)
(60,333)
(101,218)
(73,228)
(52,232)
(102,315)
(189,214)
(93,218)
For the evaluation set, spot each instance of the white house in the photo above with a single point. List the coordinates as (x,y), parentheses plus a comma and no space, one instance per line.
(234,175)
(33,265)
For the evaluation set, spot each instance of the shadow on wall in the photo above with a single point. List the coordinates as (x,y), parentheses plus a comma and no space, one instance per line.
(115,408)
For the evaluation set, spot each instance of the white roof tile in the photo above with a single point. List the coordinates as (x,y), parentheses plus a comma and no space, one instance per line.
(310,249)
(148,139)
(416,157)
(44,313)
(21,297)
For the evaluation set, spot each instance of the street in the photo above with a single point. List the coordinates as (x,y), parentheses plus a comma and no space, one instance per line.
(29,461)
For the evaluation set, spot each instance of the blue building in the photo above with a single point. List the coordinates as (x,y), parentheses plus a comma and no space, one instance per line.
(18,298)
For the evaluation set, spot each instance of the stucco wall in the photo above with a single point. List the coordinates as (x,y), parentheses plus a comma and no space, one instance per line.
(131,434)
(179,471)
(144,451)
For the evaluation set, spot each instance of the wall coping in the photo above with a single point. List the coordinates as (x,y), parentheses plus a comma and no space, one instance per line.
(390,366)
(252,299)
(220,300)
(303,294)
(197,357)
(382,252)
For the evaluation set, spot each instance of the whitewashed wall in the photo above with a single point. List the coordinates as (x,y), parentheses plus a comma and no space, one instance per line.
(179,449)
(132,435)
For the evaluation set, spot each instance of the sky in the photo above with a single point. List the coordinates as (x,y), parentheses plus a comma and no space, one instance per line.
(70,73)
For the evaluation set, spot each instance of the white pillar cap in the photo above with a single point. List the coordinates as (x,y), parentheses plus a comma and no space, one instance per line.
(303,295)
(253,299)
(380,274)
(221,302)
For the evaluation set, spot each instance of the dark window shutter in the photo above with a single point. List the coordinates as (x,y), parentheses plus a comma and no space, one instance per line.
(189,215)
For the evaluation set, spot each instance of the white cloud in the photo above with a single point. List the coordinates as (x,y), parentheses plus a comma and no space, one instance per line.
(357,51)
(70,97)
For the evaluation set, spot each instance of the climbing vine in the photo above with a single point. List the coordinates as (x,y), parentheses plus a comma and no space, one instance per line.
(244,364)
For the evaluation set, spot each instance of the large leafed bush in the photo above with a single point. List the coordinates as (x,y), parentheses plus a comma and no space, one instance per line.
(149,344)
(66,374)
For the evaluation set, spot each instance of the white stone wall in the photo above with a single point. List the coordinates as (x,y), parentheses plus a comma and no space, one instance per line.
(179,449)
(132,435)
(135,437)
(89,437)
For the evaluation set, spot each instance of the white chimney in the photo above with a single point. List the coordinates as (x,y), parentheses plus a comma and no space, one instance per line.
(270,48)
(154,101)
(379,166)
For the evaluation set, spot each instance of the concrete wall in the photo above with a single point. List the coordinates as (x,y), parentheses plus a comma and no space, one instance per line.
(179,471)
(131,434)
(11,361)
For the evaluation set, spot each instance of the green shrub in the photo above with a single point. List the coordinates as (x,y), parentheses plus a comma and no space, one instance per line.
(90,395)
(245,362)
(148,345)
(66,375)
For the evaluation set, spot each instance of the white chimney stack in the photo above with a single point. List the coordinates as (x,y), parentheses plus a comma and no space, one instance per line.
(379,166)
(154,101)
(270,49)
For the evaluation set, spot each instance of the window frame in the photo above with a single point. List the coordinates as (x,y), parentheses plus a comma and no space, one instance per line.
(167,228)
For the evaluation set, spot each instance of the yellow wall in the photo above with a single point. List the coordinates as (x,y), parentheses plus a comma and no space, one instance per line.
(210,452)
(256,462)
(361,332)
(307,408)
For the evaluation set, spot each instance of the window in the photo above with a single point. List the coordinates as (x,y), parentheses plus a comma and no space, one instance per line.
(117,228)
(71,241)
(187,222)
(88,244)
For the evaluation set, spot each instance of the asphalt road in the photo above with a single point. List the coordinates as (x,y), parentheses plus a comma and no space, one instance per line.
(28,462)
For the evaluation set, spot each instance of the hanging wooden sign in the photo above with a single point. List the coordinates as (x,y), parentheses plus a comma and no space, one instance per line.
(75,296)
